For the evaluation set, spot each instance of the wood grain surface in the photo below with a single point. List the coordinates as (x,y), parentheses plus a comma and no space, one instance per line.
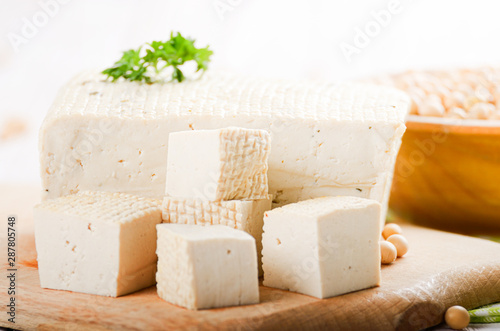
(440,270)
(447,177)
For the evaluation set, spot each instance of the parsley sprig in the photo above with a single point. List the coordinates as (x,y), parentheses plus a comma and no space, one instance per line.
(157,56)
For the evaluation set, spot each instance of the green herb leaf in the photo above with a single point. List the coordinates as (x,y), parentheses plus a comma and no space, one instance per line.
(159,55)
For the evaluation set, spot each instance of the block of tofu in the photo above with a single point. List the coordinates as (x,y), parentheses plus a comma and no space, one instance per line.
(322,247)
(245,215)
(97,242)
(222,164)
(327,139)
(203,267)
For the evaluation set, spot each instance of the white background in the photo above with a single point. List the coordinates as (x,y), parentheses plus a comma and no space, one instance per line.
(287,39)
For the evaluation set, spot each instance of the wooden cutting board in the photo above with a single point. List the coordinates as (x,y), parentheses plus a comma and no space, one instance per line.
(440,270)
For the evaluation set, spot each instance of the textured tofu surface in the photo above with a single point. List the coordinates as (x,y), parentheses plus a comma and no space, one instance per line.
(243,215)
(223,164)
(322,247)
(328,139)
(206,267)
(97,242)
(100,206)
(230,95)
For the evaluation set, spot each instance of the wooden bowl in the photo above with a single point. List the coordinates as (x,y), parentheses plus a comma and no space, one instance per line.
(447,175)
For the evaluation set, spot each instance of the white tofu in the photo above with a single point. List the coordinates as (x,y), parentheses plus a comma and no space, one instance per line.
(327,139)
(214,165)
(245,215)
(97,243)
(322,247)
(203,267)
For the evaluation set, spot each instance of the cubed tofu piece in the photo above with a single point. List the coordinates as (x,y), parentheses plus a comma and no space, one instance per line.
(214,165)
(203,267)
(322,247)
(97,242)
(245,215)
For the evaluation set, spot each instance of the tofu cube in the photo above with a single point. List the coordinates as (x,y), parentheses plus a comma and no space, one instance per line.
(214,165)
(245,215)
(322,247)
(203,267)
(97,242)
